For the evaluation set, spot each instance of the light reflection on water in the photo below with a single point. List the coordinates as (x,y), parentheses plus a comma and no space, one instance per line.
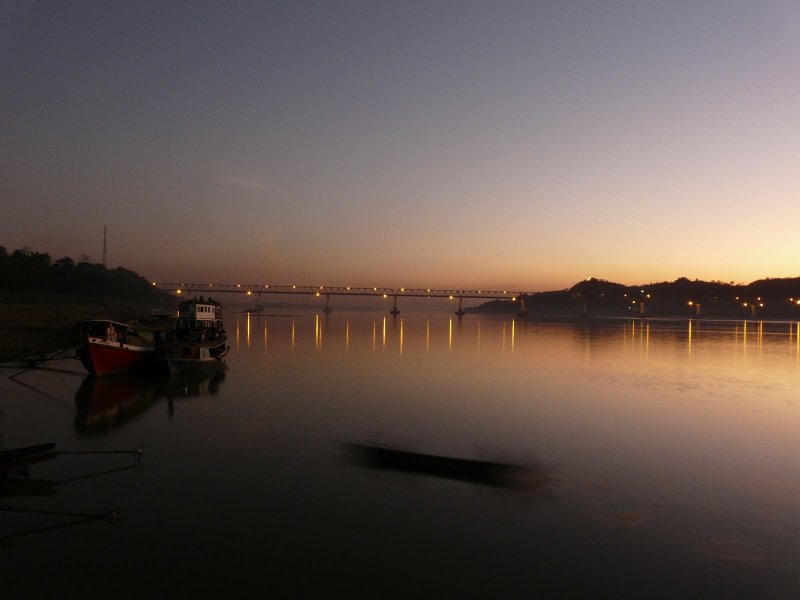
(670,452)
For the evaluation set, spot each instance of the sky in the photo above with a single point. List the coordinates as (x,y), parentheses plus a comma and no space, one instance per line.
(486,145)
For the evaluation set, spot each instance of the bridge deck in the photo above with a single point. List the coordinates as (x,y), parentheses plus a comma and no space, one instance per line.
(321,290)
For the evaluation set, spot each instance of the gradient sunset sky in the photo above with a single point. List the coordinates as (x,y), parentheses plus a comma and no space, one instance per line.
(520,145)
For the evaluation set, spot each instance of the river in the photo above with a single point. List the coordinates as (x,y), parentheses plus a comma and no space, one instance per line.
(655,459)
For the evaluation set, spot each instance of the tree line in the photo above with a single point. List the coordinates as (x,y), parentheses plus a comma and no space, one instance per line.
(25,270)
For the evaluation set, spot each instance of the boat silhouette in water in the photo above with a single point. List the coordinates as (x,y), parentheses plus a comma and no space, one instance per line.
(482,472)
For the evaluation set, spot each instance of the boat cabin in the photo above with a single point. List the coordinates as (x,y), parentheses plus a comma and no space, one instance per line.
(143,334)
(199,313)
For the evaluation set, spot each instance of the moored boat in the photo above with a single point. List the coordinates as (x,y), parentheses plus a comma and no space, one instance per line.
(200,341)
(113,347)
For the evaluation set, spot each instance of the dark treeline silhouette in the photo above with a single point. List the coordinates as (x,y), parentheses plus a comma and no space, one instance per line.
(25,270)
(776,298)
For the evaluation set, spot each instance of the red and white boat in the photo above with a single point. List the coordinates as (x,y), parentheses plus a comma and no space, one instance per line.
(113,347)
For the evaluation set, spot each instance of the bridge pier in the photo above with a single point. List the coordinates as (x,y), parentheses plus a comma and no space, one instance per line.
(327,310)
(394,310)
(522,311)
(460,312)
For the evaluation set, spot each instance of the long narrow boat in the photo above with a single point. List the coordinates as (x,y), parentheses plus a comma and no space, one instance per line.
(200,341)
(11,460)
(113,347)
(483,472)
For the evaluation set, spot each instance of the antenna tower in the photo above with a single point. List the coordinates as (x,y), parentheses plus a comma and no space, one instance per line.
(105,236)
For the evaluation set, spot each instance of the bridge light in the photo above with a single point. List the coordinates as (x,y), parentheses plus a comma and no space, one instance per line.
(691,303)
(249,292)
(294,287)
(178,291)
(154,283)
(745,304)
(317,294)
(451,297)
(348,287)
(384,295)
(514,299)
(402,289)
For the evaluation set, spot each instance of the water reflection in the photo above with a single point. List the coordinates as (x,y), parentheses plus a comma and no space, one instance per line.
(108,403)
(674,442)
(510,336)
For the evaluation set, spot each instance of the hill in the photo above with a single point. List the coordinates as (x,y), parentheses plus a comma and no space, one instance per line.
(765,298)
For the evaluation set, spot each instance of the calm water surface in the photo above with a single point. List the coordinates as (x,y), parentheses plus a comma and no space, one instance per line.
(664,461)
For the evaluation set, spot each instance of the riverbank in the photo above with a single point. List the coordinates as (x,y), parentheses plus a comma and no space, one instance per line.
(50,323)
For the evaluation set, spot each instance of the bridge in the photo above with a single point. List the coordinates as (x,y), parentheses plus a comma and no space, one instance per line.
(328,291)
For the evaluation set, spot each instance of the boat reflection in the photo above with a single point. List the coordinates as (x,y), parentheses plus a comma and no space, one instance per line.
(194,385)
(109,403)
(104,404)
(17,487)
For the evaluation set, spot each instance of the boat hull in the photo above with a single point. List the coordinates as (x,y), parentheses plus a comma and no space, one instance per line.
(104,358)
(188,365)
(212,357)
